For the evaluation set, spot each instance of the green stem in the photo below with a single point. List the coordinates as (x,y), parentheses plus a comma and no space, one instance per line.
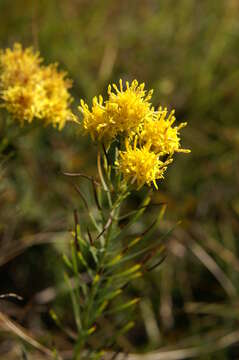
(105,187)
(95,287)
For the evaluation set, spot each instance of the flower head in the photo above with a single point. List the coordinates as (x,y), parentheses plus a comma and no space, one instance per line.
(128,107)
(96,121)
(122,113)
(55,105)
(29,90)
(18,66)
(159,133)
(141,165)
(22,102)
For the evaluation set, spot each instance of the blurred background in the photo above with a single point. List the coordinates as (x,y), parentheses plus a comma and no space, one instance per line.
(188,52)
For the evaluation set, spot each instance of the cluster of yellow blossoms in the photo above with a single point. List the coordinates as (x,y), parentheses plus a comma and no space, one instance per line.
(30,90)
(150,138)
(120,114)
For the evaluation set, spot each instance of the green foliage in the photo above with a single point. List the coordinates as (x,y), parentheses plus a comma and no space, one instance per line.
(100,266)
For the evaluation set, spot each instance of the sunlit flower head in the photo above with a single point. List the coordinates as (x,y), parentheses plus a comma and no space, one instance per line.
(141,165)
(29,90)
(149,136)
(122,113)
(129,106)
(96,121)
(160,134)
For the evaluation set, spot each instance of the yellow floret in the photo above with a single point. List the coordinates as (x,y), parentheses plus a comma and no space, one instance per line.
(141,165)
(159,133)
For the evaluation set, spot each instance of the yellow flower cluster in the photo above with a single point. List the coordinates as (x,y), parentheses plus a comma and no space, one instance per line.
(120,114)
(29,90)
(149,135)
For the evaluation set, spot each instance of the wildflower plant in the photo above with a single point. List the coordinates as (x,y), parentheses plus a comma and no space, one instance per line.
(136,144)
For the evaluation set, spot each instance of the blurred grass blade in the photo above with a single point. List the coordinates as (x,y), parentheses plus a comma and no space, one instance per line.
(9,325)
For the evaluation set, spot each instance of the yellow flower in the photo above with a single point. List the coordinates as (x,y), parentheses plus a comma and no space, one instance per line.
(22,102)
(128,112)
(120,114)
(141,165)
(159,133)
(128,107)
(55,105)
(19,74)
(29,90)
(96,121)
(18,66)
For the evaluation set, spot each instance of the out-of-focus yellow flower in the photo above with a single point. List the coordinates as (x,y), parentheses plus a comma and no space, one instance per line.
(18,66)
(19,82)
(141,165)
(55,105)
(159,133)
(22,102)
(29,90)
(122,113)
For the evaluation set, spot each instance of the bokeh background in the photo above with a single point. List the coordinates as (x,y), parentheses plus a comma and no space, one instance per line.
(188,52)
